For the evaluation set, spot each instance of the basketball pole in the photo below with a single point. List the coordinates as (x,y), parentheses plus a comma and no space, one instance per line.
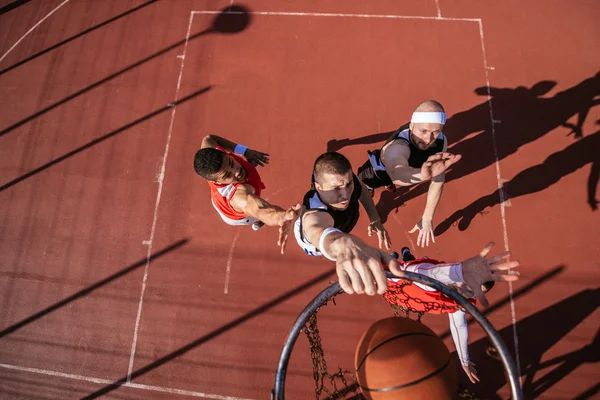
(278,392)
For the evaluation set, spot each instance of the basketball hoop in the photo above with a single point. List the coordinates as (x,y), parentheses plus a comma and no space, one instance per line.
(278,392)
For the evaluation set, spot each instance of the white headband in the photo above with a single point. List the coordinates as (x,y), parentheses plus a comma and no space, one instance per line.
(428,117)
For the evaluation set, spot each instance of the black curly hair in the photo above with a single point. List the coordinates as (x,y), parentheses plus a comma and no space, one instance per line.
(207,162)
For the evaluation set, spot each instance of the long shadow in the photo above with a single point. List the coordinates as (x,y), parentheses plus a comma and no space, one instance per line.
(538,178)
(80,34)
(211,335)
(543,330)
(522,291)
(102,138)
(12,6)
(338,144)
(90,289)
(589,393)
(521,116)
(233,19)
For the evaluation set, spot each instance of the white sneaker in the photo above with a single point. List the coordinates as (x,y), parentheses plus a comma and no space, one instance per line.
(257,225)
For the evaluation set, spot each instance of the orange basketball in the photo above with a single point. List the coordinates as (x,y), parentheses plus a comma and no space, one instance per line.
(398,358)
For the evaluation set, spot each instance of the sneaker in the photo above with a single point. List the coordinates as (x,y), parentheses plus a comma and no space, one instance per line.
(406,255)
(395,255)
(257,225)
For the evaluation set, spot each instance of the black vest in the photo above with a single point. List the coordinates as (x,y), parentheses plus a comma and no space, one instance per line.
(417,156)
(344,220)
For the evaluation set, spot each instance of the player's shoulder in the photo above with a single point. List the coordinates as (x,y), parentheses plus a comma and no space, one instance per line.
(312,201)
(243,189)
(395,152)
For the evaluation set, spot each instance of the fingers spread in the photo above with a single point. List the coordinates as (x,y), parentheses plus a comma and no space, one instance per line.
(380,236)
(284,244)
(505,278)
(480,296)
(486,250)
(499,257)
(388,241)
(421,239)
(504,266)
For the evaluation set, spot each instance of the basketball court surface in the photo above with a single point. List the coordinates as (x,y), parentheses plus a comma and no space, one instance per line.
(118,278)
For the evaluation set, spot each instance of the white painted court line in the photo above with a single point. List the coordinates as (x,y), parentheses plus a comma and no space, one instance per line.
(308,14)
(437,6)
(157,203)
(503,200)
(31,30)
(101,381)
(229,259)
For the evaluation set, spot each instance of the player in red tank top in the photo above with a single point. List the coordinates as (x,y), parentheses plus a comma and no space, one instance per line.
(235,186)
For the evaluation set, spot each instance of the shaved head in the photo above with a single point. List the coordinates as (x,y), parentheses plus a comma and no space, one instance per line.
(426,124)
(429,106)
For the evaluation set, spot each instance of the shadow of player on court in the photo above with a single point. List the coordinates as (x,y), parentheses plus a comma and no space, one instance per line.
(538,333)
(521,116)
(537,178)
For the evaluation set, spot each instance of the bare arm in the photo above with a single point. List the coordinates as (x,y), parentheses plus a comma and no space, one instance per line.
(375,224)
(395,158)
(214,141)
(433,196)
(253,156)
(367,201)
(435,190)
(358,266)
(244,200)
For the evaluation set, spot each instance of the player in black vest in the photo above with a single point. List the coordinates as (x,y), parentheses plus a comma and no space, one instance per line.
(330,212)
(415,153)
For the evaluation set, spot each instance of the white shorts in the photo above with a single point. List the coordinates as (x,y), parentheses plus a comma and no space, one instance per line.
(235,222)
(304,244)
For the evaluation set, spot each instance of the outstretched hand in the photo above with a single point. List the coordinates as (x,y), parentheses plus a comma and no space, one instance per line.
(425,228)
(287,225)
(382,234)
(471,372)
(437,164)
(256,158)
(478,270)
(359,267)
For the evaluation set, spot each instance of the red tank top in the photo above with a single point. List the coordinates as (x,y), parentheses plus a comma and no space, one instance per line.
(406,294)
(222,194)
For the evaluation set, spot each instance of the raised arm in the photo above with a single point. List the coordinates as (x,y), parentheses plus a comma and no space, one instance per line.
(244,200)
(253,156)
(460,336)
(434,193)
(358,266)
(473,272)
(395,158)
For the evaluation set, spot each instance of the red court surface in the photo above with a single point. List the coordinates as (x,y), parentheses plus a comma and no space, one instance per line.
(118,278)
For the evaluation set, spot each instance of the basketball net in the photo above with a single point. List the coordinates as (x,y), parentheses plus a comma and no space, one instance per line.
(342,384)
